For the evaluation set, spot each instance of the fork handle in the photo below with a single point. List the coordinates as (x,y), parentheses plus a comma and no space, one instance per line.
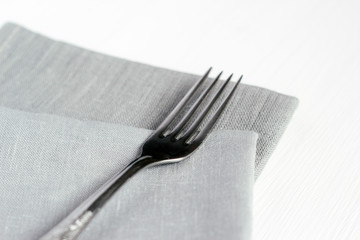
(72,225)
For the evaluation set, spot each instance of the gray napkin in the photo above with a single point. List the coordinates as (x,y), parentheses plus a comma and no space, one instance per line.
(49,164)
(38,74)
(81,116)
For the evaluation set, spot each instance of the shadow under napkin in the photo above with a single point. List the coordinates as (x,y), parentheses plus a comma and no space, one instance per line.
(49,164)
(38,74)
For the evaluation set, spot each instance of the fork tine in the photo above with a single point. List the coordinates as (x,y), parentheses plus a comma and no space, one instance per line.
(205,111)
(165,123)
(193,108)
(200,135)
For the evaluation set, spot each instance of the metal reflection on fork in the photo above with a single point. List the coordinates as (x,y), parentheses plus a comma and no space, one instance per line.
(165,145)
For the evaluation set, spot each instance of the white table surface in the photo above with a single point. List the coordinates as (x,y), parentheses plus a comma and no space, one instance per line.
(310,188)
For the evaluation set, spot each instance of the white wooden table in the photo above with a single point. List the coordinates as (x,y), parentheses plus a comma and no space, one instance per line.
(310,188)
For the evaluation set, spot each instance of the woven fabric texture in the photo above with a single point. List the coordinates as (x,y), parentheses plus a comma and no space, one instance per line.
(50,164)
(41,75)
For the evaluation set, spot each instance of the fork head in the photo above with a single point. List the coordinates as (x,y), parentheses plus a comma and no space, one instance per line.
(173,145)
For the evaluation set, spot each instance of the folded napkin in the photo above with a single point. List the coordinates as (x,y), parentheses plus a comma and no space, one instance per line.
(49,164)
(70,118)
(38,74)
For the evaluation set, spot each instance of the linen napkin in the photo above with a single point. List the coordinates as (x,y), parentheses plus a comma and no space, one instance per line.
(41,75)
(81,116)
(49,164)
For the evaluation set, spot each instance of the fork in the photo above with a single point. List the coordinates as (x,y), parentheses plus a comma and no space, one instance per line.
(165,145)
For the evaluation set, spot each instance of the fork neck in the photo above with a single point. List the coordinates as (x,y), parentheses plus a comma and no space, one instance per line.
(119,179)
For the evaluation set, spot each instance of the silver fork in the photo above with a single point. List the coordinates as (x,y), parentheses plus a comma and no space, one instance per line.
(165,145)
